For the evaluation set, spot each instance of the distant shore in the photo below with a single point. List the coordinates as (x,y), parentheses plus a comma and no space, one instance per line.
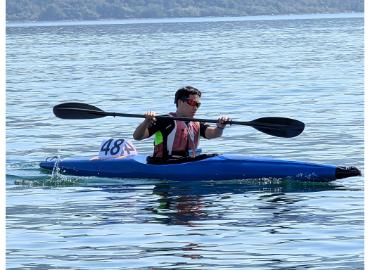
(80,10)
(186,19)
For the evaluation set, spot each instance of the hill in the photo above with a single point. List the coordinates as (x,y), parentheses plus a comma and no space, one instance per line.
(41,10)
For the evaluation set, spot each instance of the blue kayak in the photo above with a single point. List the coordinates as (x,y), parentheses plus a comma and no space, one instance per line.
(213,167)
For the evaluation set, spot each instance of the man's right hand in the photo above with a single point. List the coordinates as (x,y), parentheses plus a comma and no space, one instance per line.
(150,118)
(142,131)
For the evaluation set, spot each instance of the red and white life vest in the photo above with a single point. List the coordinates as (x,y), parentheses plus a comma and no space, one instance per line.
(181,139)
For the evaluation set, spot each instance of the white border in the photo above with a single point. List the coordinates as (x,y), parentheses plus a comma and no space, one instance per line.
(2,133)
(367,129)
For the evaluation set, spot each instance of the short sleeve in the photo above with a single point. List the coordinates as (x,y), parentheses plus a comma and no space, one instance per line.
(160,124)
(203,128)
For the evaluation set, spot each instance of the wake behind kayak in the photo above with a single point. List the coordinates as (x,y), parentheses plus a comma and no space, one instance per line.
(214,167)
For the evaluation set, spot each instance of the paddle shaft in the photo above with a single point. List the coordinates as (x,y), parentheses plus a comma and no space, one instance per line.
(132,115)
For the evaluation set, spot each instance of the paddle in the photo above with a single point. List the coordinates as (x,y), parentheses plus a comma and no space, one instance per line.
(275,126)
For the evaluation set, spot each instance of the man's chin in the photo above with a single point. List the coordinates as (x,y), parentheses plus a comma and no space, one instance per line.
(190,115)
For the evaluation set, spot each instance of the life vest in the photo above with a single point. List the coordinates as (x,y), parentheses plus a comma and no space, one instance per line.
(182,138)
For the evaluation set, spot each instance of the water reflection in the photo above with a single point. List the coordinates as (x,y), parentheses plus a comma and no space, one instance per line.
(236,203)
(191,203)
(175,202)
(184,220)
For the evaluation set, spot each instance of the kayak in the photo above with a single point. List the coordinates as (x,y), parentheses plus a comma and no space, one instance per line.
(212,167)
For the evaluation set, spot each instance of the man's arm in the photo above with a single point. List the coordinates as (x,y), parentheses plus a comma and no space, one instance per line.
(142,131)
(215,132)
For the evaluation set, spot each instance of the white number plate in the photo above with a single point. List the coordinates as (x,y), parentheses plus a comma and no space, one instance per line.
(116,148)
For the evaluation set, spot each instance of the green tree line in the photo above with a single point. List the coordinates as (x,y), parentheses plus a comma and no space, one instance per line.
(41,10)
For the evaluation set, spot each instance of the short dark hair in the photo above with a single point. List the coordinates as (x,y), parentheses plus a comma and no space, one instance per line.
(185,92)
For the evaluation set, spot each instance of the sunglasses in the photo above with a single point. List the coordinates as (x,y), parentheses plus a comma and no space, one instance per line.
(191,102)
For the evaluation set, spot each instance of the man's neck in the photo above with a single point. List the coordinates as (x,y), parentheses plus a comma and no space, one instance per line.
(179,114)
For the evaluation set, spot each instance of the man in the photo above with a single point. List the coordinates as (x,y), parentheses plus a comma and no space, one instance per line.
(178,138)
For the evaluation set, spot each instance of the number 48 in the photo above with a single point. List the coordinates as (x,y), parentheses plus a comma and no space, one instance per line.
(118,147)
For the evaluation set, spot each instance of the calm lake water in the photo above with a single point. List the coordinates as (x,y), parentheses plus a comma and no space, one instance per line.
(304,67)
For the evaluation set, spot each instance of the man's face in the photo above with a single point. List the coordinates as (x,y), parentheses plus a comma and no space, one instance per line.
(188,107)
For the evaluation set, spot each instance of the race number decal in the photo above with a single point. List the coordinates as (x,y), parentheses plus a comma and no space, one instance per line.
(116,148)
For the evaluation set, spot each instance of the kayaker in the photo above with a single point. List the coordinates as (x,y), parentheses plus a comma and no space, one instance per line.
(178,138)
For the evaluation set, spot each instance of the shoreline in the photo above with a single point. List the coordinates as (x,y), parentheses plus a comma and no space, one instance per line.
(306,16)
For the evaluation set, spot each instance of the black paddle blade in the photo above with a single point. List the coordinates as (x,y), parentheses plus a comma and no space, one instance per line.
(279,126)
(75,110)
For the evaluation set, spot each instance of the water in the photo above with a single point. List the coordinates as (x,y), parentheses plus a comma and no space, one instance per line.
(304,67)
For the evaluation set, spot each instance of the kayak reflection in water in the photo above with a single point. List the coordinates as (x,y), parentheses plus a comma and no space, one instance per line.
(173,139)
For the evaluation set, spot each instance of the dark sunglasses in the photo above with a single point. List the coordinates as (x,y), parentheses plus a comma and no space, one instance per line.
(191,102)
